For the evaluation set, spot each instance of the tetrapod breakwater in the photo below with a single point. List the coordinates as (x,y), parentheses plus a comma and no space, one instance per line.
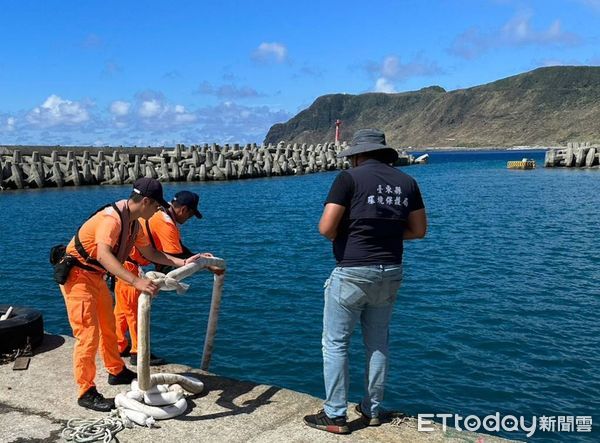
(79,166)
(575,155)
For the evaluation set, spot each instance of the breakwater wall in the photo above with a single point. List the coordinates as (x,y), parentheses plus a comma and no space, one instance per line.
(183,163)
(575,155)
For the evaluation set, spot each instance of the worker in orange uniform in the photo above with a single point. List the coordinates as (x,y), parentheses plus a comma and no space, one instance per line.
(126,302)
(99,247)
(162,229)
(163,233)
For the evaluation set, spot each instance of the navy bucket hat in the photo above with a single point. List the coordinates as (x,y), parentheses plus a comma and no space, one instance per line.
(369,140)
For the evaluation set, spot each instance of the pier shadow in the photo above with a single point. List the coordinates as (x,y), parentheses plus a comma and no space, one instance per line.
(230,391)
(49,343)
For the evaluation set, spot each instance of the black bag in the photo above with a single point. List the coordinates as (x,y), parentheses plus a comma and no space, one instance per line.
(61,262)
(63,268)
(57,253)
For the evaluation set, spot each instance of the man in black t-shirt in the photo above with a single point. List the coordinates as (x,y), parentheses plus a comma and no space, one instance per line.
(370,210)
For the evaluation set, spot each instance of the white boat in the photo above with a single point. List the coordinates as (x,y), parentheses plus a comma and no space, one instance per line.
(422,159)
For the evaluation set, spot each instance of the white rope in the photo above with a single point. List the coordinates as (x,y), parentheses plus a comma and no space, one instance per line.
(82,430)
(166,283)
(150,397)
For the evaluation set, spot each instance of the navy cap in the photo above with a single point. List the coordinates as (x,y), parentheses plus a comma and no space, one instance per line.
(151,188)
(189,199)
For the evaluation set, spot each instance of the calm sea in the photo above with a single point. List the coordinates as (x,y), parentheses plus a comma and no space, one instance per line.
(498,311)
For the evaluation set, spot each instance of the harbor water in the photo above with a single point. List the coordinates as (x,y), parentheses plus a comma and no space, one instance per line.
(498,311)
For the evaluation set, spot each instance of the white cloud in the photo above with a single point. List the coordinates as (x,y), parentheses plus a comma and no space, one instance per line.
(227,122)
(391,70)
(231,122)
(120,108)
(592,61)
(56,111)
(518,31)
(276,52)
(229,91)
(390,67)
(150,108)
(7,123)
(149,118)
(182,116)
(382,84)
(152,111)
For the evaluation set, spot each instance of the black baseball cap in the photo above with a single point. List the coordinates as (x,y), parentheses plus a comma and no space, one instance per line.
(189,199)
(151,188)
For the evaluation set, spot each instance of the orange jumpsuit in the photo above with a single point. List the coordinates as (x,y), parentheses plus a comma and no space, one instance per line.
(89,303)
(165,232)
(126,298)
(166,237)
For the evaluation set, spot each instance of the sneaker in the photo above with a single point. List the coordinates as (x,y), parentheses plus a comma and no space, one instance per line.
(368,421)
(92,399)
(320,421)
(154,360)
(124,377)
(126,352)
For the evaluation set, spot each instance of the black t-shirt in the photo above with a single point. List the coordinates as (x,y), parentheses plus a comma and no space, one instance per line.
(378,199)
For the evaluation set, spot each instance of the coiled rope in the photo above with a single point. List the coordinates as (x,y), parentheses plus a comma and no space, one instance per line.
(129,409)
(155,397)
(81,430)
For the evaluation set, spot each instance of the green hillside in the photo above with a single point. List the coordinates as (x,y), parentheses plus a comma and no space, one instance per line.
(547,106)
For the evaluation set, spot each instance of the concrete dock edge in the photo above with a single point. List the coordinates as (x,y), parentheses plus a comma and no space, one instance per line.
(35,405)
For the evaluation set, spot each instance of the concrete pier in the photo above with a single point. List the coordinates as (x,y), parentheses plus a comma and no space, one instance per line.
(35,405)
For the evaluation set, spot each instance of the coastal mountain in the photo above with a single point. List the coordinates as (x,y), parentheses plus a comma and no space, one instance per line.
(543,107)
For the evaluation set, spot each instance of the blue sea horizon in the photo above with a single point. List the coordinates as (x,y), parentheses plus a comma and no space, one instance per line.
(497,311)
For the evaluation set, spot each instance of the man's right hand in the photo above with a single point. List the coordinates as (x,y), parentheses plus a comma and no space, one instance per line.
(145,285)
(213,269)
(195,257)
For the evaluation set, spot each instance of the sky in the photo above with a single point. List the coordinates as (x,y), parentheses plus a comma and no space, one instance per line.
(156,73)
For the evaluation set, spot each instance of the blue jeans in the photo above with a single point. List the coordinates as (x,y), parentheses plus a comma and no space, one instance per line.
(367,293)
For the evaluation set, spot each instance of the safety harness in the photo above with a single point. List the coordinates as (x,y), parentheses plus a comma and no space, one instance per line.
(185,252)
(123,247)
